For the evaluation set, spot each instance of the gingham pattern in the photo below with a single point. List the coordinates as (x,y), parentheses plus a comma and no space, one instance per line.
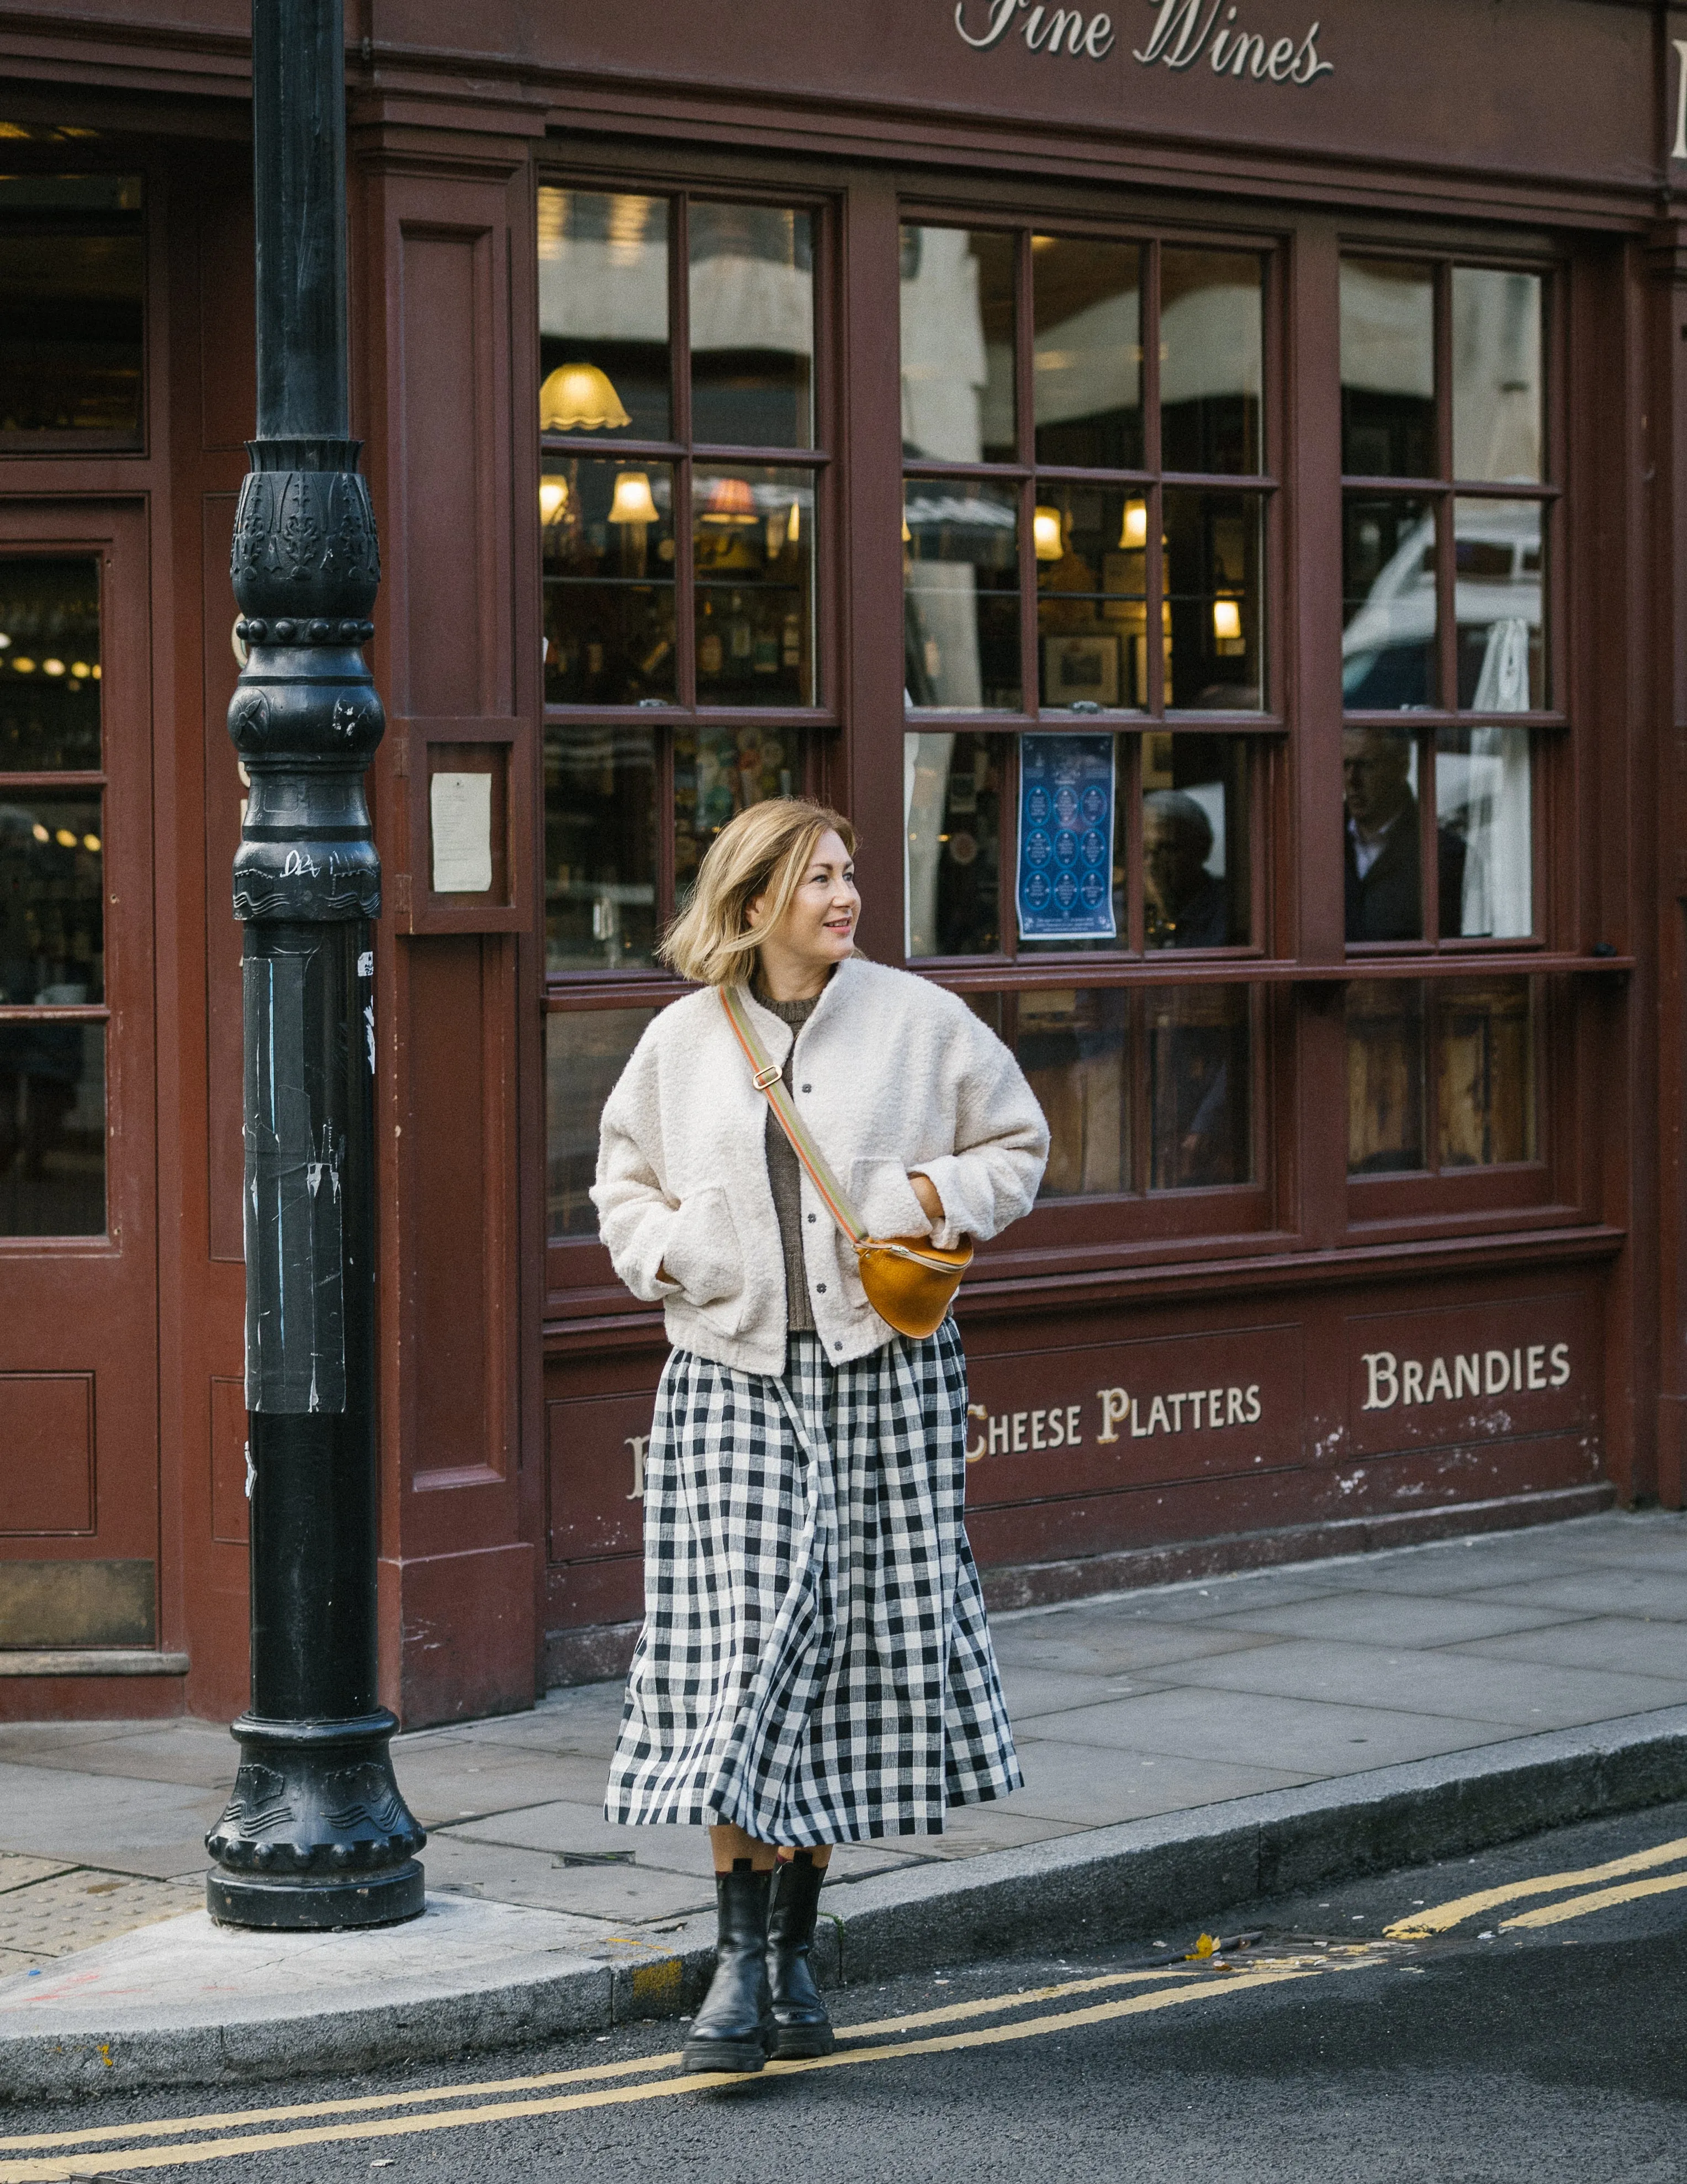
(815,1664)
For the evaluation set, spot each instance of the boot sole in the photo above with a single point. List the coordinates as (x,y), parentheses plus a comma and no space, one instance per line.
(731,2057)
(798,2043)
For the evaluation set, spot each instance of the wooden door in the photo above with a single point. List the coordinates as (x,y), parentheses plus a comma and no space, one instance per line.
(78,1431)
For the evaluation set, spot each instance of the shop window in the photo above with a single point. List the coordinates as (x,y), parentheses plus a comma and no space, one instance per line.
(1448,684)
(72,312)
(682,502)
(52,900)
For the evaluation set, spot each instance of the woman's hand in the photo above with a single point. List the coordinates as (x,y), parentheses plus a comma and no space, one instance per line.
(925,1191)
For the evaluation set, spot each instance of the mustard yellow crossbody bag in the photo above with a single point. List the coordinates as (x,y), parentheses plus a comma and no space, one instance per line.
(910,1282)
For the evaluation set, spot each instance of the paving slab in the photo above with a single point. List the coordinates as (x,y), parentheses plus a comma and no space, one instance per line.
(1304,1737)
(1086,1787)
(123,1823)
(1623,1644)
(1605,1591)
(1371,1618)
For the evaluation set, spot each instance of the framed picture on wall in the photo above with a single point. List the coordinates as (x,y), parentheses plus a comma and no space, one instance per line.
(1075,668)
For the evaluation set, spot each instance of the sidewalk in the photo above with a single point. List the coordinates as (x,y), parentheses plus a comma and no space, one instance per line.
(1185,1710)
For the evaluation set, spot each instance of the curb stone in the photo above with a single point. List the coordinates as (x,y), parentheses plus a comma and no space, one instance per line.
(1104,1886)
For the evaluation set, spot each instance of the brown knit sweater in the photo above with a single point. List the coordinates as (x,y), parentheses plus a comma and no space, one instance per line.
(785,1176)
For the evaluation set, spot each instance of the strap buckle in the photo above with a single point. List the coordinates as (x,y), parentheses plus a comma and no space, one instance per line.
(764,1078)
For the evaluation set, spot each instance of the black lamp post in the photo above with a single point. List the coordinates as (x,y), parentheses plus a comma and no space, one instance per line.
(316,1833)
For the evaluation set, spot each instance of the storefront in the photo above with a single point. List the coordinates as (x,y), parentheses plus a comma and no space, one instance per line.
(1201,485)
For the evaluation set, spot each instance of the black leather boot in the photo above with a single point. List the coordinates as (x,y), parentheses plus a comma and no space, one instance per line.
(799,2013)
(734,2030)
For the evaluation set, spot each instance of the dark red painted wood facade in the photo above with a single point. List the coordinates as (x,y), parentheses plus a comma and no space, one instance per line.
(1317,1363)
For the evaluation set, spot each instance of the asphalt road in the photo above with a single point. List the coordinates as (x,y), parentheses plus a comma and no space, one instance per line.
(1539,2035)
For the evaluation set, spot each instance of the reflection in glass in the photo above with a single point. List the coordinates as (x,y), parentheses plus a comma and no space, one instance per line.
(1077,847)
(1496,375)
(72,299)
(52,1129)
(1381,840)
(951,803)
(49,665)
(988,1008)
(1502,666)
(752,543)
(586,1049)
(1073,1045)
(961,577)
(600,845)
(1195,842)
(752,325)
(52,899)
(1209,343)
(957,345)
(1385,1075)
(1388,369)
(1484,811)
(1199,1079)
(604,315)
(1214,602)
(1087,352)
(608,541)
(1388,659)
(1092,603)
(1486,1041)
(719,773)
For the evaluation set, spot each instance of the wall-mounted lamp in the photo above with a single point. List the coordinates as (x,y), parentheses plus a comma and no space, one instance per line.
(1227,621)
(729,501)
(633,503)
(578,398)
(553,499)
(1045,534)
(1135,535)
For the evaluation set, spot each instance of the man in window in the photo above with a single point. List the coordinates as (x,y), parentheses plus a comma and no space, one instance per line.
(1383,854)
(1186,905)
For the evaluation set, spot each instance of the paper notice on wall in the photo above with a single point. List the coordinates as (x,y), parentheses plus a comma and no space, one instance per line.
(461,810)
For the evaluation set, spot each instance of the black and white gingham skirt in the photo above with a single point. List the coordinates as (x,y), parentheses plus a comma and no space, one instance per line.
(814,1665)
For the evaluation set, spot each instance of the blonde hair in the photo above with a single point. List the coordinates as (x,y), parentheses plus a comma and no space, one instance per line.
(763,852)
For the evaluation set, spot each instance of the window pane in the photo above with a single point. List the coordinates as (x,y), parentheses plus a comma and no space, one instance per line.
(1487,1071)
(719,773)
(1071,866)
(958,345)
(1091,604)
(1199,1077)
(1087,336)
(1195,842)
(586,1049)
(752,325)
(961,571)
(608,536)
(1385,1075)
(49,665)
(1484,811)
(1383,848)
(1500,562)
(1073,1046)
(1388,660)
(604,315)
(51,897)
(1496,375)
(1209,341)
(752,540)
(1388,370)
(1214,602)
(52,1129)
(951,803)
(72,293)
(600,846)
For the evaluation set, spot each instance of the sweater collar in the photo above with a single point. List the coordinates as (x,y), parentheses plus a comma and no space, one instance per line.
(845,976)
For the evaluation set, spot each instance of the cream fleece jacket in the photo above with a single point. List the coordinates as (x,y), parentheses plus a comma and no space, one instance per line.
(891,1073)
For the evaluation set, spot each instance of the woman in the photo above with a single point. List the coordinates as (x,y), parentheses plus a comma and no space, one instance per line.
(815,1666)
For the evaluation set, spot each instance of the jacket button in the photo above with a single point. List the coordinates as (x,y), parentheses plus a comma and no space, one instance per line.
(820,1286)
(810,1217)
(808,1088)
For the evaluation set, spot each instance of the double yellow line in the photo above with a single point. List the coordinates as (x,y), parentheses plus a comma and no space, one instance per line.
(1423,1925)
(48,2157)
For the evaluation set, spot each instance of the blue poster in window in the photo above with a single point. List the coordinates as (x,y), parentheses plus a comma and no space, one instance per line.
(1066,838)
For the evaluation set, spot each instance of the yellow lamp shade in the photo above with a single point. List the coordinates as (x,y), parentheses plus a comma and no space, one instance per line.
(578,398)
(1227,620)
(632,503)
(1045,532)
(553,499)
(1135,535)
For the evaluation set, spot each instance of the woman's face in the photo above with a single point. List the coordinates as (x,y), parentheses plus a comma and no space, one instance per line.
(819,927)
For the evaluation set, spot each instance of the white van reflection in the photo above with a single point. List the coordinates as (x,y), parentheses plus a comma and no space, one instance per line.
(1389,648)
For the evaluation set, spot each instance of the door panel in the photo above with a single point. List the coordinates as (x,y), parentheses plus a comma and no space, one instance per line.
(79,1445)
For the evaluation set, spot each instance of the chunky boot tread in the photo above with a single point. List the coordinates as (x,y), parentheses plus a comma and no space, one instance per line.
(735,2057)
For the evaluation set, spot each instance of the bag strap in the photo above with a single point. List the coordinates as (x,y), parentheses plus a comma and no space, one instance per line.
(765,1077)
